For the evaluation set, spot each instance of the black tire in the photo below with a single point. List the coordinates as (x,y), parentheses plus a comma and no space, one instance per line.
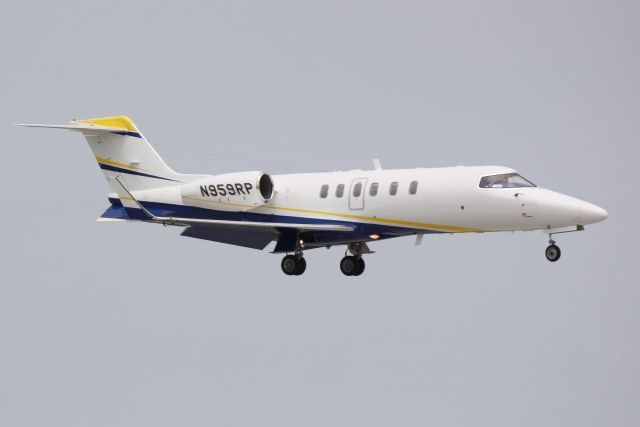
(349,265)
(552,253)
(301,266)
(361,266)
(289,265)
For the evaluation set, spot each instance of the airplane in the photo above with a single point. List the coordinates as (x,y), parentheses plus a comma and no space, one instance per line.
(311,210)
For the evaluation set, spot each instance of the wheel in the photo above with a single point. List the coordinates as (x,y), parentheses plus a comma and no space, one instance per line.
(301,266)
(289,265)
(553,253)
(360,269)
(349,265)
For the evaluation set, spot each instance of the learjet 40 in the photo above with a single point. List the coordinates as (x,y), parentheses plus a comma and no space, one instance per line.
(312,210)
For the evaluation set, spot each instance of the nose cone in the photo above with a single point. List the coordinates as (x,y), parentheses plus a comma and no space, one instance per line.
(560,210)
(590,213)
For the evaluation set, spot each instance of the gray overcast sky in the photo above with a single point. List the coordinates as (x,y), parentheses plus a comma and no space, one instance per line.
(108,324)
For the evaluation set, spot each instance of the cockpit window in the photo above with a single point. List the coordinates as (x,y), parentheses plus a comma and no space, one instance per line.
(505,180)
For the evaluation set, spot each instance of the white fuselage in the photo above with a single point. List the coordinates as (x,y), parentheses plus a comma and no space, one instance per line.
(445,200)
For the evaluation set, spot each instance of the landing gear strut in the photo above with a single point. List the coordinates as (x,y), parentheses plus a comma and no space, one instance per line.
(294,265)
(552,252)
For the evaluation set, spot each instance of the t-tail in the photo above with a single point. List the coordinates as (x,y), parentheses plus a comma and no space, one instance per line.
(122,151)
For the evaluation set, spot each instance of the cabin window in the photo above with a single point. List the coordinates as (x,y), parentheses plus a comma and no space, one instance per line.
(373,189)
(505,180)
(339,190)
(324,190)
(413,187)
(393,188)
(357,189)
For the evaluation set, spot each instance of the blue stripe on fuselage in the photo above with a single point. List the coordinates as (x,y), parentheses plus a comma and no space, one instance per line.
(362,230)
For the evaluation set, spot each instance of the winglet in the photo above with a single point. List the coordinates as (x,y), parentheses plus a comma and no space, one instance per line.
(376,164)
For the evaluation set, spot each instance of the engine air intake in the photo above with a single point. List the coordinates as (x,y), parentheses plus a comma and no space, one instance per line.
(265,186)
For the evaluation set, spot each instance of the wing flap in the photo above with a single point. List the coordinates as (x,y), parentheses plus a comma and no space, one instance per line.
(255,239)
(249,225)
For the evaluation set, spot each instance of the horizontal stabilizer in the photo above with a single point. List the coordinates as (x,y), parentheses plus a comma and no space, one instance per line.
(77,126)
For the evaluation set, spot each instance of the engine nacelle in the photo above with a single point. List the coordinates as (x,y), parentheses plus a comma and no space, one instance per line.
(238,192)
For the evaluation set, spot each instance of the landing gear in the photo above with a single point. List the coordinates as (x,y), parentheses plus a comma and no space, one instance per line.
(552,252)
(293,265)
(352,265)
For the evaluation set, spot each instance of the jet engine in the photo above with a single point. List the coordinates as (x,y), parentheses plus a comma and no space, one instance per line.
(237,192)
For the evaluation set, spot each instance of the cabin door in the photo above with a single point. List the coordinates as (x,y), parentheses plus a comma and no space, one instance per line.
(356,194)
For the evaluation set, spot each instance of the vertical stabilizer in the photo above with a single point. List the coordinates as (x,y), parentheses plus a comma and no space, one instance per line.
(122,151)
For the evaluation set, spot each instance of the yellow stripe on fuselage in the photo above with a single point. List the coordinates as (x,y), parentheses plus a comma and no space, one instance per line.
(414,224)
(118,164)
(119,122)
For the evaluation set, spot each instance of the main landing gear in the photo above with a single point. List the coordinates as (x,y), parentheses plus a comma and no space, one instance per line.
(353,265)
(293,265)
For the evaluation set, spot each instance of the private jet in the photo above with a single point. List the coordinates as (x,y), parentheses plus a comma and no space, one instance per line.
(312,210)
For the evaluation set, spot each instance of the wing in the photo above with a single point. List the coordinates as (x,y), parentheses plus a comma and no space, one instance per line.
(248,225)
(256,239)
(255,235)
(249,234)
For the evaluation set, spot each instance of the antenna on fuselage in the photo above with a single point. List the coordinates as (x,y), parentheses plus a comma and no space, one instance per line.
(376,164)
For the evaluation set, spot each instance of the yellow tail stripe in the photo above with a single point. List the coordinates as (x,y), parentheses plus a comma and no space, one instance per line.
(118,164)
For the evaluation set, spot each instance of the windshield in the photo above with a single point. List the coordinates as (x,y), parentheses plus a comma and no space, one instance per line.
(505,180)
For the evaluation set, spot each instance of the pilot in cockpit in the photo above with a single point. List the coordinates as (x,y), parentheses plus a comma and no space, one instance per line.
(508,180)
(501,182)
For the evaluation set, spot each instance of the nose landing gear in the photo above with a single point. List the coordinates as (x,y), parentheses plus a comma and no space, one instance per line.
(552,252)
